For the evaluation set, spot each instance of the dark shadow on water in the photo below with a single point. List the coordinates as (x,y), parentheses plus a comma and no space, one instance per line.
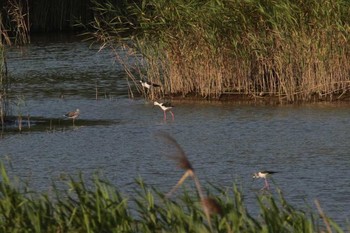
(40,124)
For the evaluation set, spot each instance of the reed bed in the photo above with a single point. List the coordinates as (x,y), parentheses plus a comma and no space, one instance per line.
(4,78)
(295,50)
(14,30)
(18,21)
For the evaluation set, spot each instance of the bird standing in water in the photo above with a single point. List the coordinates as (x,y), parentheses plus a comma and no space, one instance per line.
(72,115)
(166,108)
(264,175)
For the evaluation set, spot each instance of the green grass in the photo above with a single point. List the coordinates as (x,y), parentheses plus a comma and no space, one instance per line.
(96,205)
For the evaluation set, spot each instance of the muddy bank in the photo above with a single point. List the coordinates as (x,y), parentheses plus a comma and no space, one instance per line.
(262,98)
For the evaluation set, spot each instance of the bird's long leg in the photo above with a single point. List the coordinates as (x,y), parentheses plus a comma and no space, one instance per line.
(172,114)
(164,115)
(144,92)
(266,184)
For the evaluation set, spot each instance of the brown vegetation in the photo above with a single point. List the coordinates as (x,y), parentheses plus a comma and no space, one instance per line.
(291,50)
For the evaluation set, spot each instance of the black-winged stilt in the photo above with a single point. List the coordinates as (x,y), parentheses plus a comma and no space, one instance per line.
(148,85)
(72,115)
(166,108)
(264,175)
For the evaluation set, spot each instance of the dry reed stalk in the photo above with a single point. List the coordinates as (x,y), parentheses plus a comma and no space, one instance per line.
(4,37)
(96,90)
(18,12)
(4,78)
(210,205)
(2,114)
(182,162)
(323,216)
(277,48)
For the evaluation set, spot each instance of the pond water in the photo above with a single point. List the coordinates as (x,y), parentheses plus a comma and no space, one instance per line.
(308,145)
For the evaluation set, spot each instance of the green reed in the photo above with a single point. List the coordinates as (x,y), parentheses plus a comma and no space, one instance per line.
(97,206)
(295,50)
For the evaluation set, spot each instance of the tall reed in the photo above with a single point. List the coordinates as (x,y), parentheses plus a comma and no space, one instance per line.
(18,16)
(14,30)
(295,50)
(4,79)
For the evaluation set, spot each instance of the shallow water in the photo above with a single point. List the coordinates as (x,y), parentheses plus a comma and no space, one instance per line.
(308,145)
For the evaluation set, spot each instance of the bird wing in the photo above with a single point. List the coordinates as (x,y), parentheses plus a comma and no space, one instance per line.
(71,114)
(269,172)
(167,104)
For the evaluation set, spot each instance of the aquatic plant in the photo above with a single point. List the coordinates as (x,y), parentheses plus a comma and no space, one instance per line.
(95,205)
(293,50)
(17,23)
(4,79)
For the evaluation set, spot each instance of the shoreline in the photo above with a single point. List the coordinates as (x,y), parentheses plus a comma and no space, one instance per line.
(265,99)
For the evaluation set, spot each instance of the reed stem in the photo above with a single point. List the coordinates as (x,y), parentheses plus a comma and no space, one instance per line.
(256,48)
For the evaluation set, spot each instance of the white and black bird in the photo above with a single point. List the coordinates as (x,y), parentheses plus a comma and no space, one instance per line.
(148,85)
(166,107)
(72,115)
(264,175)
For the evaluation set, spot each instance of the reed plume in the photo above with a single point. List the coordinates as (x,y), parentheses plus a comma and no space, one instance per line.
(258,48)
(210,205)
(182,161)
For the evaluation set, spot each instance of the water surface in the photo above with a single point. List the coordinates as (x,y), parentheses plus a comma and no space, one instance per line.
(308,145)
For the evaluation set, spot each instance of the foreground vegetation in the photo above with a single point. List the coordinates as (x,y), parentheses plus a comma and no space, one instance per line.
(97,206)
(295,50)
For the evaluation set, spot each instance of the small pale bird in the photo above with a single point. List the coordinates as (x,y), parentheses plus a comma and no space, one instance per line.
(166,108)
(148,85)
(264,175)
(72,115)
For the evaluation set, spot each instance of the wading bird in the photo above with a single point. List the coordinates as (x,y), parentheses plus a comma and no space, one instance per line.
(264,175)
(166,108)
(148,85)
(72,115)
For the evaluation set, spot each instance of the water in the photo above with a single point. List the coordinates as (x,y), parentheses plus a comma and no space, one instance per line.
(308,145)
